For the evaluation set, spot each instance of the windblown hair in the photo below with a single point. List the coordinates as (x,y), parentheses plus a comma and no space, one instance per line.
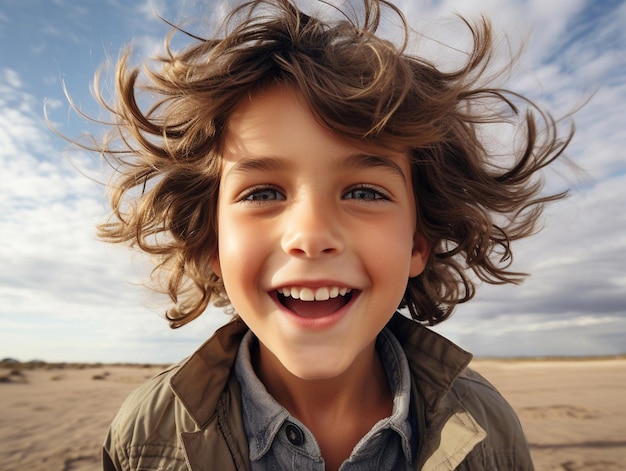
(471,203)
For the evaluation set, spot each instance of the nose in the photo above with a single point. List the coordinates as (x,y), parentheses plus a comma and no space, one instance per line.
(312,229)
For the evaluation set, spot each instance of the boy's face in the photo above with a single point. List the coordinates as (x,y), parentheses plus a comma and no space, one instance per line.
(303,213)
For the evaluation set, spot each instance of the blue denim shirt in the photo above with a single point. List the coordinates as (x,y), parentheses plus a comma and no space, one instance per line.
(278,441)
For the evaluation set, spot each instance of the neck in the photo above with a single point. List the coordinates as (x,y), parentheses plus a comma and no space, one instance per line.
(320,403)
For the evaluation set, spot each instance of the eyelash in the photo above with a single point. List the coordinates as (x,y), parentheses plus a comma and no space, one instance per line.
(378,194)
(248,196)
(373,194)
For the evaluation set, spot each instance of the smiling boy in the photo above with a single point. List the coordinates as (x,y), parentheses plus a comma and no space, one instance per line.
(316,242)
(316,178)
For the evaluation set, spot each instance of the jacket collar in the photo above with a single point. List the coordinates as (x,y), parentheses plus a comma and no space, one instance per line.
(202,378)
(435,363)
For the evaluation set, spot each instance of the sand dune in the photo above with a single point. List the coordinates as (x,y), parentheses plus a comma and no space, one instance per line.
(54,417)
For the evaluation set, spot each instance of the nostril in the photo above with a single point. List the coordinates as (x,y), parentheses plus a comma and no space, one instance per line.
(312,251)
(305,240)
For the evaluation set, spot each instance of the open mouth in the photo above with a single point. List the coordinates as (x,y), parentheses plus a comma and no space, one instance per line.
(314,303)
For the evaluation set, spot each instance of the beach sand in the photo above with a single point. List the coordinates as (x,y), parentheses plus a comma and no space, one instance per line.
(54,417)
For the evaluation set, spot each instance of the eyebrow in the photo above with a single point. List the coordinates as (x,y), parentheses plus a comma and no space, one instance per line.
(364,161)
(352,162)
(263,164)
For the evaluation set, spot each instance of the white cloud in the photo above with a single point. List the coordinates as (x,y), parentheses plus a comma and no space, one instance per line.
(12,78)
(149,9)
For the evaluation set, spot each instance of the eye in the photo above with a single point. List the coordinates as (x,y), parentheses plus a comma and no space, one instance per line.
(262,194)
(366,193)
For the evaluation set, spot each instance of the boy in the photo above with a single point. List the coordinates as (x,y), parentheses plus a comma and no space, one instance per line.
(315,178)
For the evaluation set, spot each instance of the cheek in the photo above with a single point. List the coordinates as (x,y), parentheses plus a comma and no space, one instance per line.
(240,254)
(389,253)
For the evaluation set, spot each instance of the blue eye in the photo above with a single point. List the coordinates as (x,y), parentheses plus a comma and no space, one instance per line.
(365,194)
(260,195)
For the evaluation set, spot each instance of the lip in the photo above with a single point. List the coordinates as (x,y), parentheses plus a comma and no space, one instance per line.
(314,323)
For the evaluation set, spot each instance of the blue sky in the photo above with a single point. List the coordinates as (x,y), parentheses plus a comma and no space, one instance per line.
(65,296)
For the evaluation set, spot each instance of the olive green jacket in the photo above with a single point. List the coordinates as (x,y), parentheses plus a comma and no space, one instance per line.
(189,417)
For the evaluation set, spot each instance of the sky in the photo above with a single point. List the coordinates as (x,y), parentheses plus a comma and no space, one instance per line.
(65,296)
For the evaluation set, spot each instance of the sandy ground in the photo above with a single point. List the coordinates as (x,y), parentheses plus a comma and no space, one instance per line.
(573,412)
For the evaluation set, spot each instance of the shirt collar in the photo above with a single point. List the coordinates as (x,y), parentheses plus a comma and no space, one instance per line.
(263,416)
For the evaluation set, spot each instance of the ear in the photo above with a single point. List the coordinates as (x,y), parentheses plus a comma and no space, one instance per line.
(215,265)
(419,255)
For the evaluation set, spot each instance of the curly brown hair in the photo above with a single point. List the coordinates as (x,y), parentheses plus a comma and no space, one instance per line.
(471,202)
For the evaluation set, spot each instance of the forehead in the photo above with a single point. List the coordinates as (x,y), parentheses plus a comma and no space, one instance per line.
(267,113)
(278,118)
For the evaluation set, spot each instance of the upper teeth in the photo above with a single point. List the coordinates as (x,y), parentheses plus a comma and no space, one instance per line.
(308,294)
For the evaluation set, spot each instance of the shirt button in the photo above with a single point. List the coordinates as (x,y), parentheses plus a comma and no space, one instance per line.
(294,434)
